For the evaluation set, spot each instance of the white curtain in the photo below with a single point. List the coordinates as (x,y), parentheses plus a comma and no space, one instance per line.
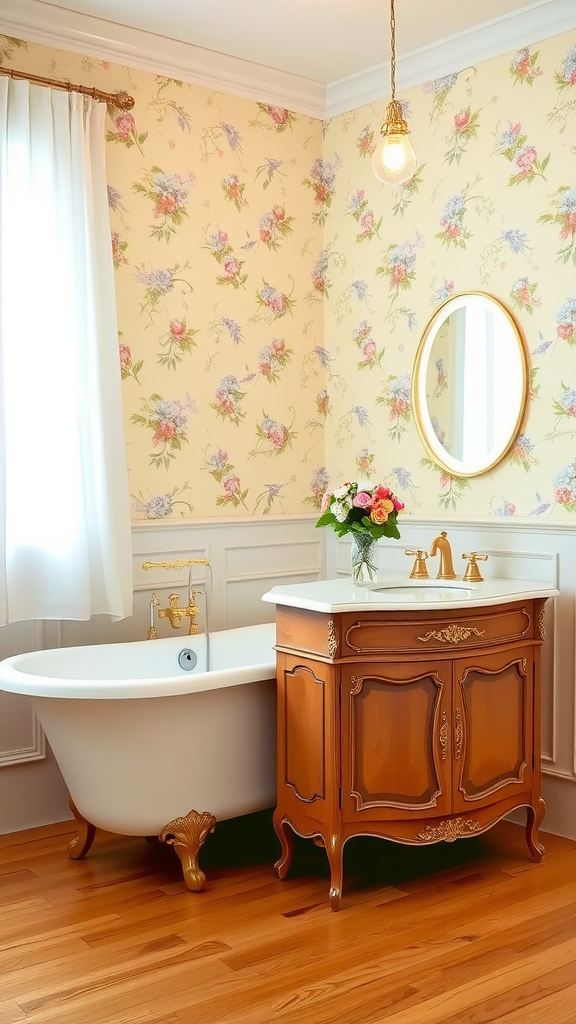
(65,539)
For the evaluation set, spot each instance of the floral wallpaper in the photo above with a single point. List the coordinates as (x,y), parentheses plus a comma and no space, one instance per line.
(216,211)
(271,292)
(492,207)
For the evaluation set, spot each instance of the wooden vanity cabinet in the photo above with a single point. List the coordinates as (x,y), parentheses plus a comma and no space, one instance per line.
(412,726)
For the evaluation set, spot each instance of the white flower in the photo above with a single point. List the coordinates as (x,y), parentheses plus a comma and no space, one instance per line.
(365,485)
(341,492)
(340,509)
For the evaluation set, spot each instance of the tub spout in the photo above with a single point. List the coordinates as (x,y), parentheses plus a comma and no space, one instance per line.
(175,614)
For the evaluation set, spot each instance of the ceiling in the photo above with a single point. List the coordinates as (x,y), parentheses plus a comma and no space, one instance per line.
(324,41)
(317,57)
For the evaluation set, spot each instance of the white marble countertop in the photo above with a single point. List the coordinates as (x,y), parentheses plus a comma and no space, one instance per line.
(340,595)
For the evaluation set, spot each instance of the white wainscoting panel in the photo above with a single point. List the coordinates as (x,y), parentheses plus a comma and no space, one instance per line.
(248,557)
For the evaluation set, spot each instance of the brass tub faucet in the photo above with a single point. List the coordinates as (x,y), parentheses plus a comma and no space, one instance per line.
(174,612)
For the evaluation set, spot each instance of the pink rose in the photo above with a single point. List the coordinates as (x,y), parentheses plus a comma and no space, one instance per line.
(231,266)
(278,114)
(367,221)
(525,159)
(278,436)
(382,493)
(231,485)
(277,303)
(362,500)
(178,328)
(569,225)
(164,206)
(124,125)
(462,119)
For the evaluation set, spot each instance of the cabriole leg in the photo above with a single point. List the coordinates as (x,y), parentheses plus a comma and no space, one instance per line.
(81,843)
(534,818)
(286,837)
(334,850)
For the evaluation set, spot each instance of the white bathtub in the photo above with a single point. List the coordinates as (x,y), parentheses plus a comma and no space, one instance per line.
(141,742)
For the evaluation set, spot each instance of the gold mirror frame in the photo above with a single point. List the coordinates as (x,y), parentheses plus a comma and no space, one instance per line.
(428,435)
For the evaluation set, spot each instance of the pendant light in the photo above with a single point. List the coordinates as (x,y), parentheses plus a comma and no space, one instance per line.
(394,159)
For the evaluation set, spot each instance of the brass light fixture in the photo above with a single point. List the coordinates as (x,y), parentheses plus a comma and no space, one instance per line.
(394,159)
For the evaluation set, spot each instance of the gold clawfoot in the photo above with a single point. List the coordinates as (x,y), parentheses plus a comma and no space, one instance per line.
(187,835)
(81,843)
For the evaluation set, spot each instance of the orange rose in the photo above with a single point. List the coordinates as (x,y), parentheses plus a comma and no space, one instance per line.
(379,513)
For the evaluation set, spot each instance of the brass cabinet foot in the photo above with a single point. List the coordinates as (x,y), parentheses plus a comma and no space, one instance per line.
(81,843)
(187,835)
(286,837)
(534,818)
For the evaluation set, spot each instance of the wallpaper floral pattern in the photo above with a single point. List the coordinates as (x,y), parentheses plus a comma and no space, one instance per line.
(216,206)
(492,207)
(271,293)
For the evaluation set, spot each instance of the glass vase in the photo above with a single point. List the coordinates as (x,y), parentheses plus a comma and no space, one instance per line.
(364,554)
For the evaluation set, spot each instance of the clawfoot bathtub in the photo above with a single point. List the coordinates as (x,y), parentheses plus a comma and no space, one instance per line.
(140,740)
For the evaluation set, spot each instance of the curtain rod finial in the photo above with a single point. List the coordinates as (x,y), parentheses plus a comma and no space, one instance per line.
(123,101)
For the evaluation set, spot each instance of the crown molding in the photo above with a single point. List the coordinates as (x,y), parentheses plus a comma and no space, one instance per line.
(51,25)
(55,26)
(524,27)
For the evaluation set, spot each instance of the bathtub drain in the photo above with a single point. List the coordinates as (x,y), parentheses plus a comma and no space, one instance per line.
(187,659)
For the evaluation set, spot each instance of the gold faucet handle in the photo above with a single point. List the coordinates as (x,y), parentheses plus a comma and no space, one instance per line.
(472,571)
(419,570)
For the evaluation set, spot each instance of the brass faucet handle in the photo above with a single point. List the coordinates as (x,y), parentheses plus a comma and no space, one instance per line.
(472,571)
(419,569)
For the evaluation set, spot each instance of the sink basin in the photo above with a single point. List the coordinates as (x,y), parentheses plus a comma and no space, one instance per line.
(430,586)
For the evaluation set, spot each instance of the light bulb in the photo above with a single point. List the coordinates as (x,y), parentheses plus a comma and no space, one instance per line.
(394,159)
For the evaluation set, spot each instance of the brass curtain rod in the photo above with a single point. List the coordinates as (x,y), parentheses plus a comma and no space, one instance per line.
(115,99)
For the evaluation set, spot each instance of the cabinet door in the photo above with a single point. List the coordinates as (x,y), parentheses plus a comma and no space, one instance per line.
(396,741)
(492,727)
(308,768)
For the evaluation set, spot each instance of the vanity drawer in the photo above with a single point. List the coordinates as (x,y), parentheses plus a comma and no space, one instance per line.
(310,632)
(381,633)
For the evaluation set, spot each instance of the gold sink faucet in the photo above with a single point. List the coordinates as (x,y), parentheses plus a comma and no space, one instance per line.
(419,570)
(446,569)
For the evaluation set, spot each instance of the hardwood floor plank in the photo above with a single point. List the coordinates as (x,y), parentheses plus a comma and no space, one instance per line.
(466,933)
(517,999)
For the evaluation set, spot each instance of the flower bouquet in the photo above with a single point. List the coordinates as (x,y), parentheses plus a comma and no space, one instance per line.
(366,511)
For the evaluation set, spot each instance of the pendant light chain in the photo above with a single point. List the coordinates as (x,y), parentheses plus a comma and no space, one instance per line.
(393,158)
(392,50)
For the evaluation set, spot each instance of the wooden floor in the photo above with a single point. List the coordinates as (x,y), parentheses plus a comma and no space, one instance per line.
(460,933)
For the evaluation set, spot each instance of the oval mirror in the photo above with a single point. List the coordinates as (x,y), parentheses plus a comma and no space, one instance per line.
(470,384)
